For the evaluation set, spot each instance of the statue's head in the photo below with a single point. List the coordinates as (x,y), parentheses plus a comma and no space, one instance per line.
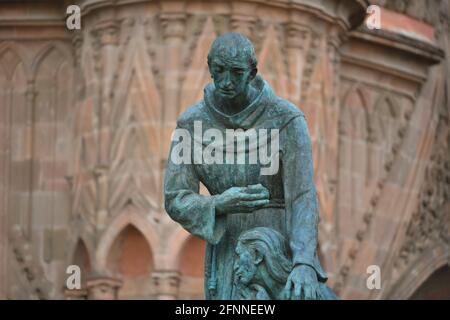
(262,248)
(232,64)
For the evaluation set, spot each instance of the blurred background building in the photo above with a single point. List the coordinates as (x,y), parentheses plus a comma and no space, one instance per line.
(86,117)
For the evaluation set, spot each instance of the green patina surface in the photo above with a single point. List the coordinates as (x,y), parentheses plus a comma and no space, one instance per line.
(261,229)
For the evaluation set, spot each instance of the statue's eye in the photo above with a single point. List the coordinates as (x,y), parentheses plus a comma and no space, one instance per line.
(238,71)
(219,69)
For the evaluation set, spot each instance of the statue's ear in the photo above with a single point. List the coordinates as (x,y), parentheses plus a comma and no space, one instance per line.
(257,256)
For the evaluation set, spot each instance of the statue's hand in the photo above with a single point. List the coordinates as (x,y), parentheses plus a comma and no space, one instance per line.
(241,199)
(302,283)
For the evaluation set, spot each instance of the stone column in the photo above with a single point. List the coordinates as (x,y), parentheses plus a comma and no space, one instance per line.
(103,287)
(166,284)
(173,23)
(298,36)
(105,34)
(30,94)
(243,18)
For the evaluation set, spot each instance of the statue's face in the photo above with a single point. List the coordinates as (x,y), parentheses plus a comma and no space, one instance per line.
(244,267)
(231,75)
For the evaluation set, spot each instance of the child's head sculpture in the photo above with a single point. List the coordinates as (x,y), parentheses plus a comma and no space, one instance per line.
(263,264)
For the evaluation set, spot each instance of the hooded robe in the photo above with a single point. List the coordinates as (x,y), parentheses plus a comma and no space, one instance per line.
(293,207)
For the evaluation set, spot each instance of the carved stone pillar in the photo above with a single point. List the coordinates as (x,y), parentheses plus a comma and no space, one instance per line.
(243,18)
(298,36)
(328,143)
(172,20)
(173,23)
(103,287)
(166,284)
(30,95)
(105,36)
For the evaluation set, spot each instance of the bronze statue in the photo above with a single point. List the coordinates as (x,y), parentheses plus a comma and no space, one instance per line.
(267,182)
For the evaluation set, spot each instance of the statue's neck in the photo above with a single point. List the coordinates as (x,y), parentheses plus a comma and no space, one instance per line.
(236,104)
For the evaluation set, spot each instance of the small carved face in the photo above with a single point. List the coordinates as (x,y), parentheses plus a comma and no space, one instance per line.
(245,266)
(231,75)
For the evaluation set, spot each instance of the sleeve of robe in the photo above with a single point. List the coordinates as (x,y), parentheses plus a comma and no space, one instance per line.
(300,192)
(195,212)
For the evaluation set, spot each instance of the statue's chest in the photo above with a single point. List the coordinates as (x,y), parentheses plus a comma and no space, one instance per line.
(228,175)
(220,177)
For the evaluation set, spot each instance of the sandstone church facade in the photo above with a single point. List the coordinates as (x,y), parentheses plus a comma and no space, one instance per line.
(86,118)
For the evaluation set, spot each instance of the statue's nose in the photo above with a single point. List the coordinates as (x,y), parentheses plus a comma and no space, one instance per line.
(227,80)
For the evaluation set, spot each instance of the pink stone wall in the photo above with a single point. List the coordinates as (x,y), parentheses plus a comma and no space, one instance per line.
(86,118)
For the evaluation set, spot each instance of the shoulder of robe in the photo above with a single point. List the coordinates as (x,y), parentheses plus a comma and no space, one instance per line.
(286,108)
(280,112)
(196,112)
(294,122)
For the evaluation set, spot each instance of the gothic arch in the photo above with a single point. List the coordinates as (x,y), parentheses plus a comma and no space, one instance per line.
(74,244)
(361,93)
(9,45)
(131,259)
(130,254)
(45,51)
(81,257)
(129,217)
(435,287)
(354,100)
(16,51)
(386,107)
(431,260)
